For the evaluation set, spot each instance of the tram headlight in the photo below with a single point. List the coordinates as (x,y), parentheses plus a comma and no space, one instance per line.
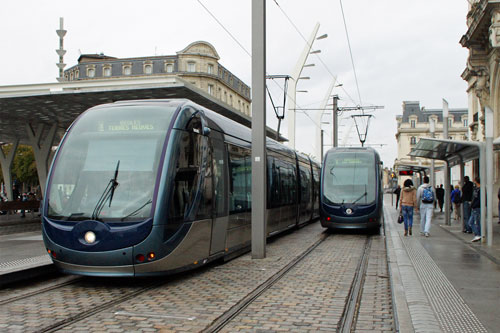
(90,237)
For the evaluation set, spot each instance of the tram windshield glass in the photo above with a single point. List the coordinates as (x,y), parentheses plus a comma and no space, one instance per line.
(349,177)
(107,166)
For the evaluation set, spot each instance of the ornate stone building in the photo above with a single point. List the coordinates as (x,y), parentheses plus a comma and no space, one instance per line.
(414,124)
(483,69)
(197,64)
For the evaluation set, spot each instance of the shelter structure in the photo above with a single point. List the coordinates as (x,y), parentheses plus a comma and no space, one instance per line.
(454,152)
(39,114)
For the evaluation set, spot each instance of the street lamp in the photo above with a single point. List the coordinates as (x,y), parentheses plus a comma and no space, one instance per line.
(291,96)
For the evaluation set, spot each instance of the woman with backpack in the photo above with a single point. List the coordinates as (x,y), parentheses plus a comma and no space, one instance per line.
(408,202)
(425,199)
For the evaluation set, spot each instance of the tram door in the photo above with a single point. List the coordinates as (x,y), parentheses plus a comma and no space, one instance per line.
(220,216)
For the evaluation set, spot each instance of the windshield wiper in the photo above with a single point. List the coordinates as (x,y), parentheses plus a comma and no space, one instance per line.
(73,215)
(109,191)
(137,210)
(362,195)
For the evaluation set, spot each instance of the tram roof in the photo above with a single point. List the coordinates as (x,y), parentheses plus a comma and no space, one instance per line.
(62,102)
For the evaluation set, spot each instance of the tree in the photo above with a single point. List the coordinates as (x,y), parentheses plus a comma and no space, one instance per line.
(24,166)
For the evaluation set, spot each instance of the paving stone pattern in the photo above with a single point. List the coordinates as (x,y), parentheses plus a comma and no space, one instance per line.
(376,311)
(310,297)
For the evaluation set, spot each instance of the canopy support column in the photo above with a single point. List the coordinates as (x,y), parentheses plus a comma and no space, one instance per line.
(6,163)
(489,174)
(447,193)
(483,179)
(462,173)
(41,151)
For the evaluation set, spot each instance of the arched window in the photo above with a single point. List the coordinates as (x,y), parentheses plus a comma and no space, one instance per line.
(148,69)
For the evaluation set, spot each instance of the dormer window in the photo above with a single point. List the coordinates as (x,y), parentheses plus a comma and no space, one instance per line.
(148,68)
(127,69)
(169,68)
(106,71)
(77,74)
(91,71)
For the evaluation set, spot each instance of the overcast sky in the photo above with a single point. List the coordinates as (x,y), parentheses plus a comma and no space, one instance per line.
(403,50)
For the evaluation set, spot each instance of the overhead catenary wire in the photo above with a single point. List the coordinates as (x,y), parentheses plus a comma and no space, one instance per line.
(248,53)
(350,52)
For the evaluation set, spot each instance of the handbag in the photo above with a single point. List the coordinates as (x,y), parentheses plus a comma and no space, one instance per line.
(400,218)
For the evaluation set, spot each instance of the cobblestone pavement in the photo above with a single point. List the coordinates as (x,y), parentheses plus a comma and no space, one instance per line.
(376,309)
(310,297)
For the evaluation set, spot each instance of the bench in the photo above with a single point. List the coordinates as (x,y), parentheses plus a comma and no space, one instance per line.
(31,205)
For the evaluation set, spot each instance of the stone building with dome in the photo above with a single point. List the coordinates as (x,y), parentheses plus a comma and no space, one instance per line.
(197,64)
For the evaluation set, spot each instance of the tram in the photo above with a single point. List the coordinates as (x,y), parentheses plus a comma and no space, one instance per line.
(151,187)
(351,189)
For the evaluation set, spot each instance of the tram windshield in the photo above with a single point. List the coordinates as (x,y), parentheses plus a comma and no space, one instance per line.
(350,177)
(107,166)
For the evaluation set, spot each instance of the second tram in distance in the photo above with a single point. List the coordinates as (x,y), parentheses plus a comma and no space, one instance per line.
(351,189)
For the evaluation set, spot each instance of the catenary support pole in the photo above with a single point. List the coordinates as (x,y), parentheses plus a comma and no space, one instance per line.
(335,121)
(319,131)
(258,129)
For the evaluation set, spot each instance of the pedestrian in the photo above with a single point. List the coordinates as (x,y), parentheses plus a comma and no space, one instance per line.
(408,203)
(475,216)
(456,199)
(397,191)
(440,197)
(425,200)
(467,190)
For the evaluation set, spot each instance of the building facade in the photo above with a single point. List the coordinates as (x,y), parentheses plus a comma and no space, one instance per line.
(197,64)
(414,124)
(482,71)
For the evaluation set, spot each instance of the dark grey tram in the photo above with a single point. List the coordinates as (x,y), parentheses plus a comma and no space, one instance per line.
(159,186)
(351,189)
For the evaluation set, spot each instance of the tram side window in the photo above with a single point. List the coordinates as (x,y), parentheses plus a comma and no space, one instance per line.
(240,180)
(273,183)
(219,166)
(305,185)
(186,176)
(288,184)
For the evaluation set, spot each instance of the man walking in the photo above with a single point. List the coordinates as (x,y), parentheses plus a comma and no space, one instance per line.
(440,197)
(466,199)
(475,216)
(425,200)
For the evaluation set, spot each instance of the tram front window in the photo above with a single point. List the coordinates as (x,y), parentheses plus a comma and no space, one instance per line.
(107,167)
(349,178)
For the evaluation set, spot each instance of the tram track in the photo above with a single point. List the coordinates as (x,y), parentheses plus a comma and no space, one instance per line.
(223,320)
(351,309)
(40,291)
(216,325)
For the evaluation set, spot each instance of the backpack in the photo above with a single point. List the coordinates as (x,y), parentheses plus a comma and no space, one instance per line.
(428,195)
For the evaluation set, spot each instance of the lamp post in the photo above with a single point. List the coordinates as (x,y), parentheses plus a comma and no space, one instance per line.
(291,97)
